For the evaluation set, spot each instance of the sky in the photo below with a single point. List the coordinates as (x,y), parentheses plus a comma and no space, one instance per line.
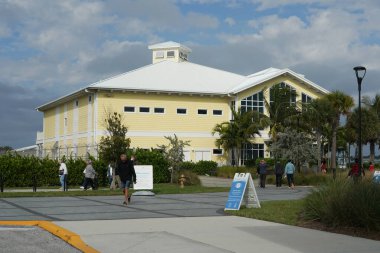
(51,48)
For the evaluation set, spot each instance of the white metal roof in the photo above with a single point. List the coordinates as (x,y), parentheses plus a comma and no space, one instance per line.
(270,73)
(170,76)
(169,44)
(184,77)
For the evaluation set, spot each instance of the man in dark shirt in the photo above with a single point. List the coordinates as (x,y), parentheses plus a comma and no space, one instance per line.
(262,171)
(127,174)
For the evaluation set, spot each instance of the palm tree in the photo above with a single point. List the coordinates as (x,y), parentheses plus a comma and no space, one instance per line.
(374,105)
(240,130)
(280,108)
(340,105)
(370,127)
(315,115)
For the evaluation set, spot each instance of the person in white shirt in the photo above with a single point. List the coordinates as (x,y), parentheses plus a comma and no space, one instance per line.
(63,172)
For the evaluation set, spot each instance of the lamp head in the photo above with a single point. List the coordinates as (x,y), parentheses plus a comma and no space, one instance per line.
(360,72)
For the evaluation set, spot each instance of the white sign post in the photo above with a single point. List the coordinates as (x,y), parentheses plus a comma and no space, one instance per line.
(242,189)
(144,180)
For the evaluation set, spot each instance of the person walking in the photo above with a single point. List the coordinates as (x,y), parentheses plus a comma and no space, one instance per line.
(324,167)
(262,171)
(89,176)
(371,167)
(127,174)
(63,173)
(354,171)
(279,170)
(289,172)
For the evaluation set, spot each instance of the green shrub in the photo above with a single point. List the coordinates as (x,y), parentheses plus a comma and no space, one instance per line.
(229,171)
(251,163)
(187,166)
(191,177)
(205,167)
(343,203)
(161,173)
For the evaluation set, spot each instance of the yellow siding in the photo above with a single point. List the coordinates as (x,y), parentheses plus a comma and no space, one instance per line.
(82,114)
(170,120)
(49,123)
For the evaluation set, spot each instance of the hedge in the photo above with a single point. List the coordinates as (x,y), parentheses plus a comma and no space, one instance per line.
(21,171)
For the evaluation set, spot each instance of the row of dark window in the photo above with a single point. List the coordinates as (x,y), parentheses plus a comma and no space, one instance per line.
(159,110)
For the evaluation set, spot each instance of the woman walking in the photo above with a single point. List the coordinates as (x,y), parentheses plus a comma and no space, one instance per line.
(289,172)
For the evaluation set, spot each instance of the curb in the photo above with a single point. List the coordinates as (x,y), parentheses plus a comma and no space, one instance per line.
(66,235)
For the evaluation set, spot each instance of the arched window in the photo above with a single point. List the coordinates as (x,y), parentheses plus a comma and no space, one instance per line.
(254,102)
(282,89)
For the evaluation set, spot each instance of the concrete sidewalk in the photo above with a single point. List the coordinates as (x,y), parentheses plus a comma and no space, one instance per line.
(211,235)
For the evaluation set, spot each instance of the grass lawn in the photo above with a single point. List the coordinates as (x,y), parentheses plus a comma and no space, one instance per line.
(158,189)
(280,211)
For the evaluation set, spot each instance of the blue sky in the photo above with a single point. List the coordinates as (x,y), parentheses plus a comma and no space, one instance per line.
(50,48)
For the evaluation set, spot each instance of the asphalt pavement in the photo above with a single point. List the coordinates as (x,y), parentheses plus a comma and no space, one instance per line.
(175,223)
(111,207)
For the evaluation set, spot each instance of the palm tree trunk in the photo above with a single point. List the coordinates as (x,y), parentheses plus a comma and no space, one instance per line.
(333,150)
(372,151)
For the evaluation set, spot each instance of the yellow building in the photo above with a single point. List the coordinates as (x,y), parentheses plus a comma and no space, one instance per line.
(170,96)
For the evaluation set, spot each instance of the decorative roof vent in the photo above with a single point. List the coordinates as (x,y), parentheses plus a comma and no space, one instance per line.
(169,50)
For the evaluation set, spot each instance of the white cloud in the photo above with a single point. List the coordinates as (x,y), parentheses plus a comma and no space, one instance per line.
(199,20)
(230,21)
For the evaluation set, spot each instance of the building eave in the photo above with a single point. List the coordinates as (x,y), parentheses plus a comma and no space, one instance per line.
(61,100)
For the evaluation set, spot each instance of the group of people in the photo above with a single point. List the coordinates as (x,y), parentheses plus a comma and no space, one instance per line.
(280,172)
(124,173)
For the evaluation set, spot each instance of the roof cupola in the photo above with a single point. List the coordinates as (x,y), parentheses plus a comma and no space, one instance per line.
(169,50)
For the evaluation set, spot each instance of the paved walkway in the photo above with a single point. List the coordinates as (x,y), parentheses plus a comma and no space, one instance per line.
(212,235)
(177,223)
(110,207)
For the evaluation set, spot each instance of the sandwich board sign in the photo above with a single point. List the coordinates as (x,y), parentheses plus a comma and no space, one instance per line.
(242,190)
(144,175)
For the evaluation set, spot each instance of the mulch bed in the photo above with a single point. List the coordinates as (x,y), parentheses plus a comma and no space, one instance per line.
(352,231)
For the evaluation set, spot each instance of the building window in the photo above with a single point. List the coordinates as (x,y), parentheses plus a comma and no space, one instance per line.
(145,109)
(159,110)
(217,151)
(252,151)
(160,54)
(202,111)
(89,98)
(129,109)
(181,111)
(170,54)
(282,85)
(217,112)
(254,102)
(306,99)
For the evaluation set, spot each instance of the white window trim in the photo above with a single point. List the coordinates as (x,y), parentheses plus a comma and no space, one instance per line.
(218,115)
(129,106)
(167,56)
(181,109)
(145,107)
(202,114)
(159,113)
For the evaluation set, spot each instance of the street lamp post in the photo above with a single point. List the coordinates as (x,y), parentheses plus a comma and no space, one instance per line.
(360,72)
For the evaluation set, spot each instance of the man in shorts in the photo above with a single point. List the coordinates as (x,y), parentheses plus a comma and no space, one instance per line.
(127,175)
